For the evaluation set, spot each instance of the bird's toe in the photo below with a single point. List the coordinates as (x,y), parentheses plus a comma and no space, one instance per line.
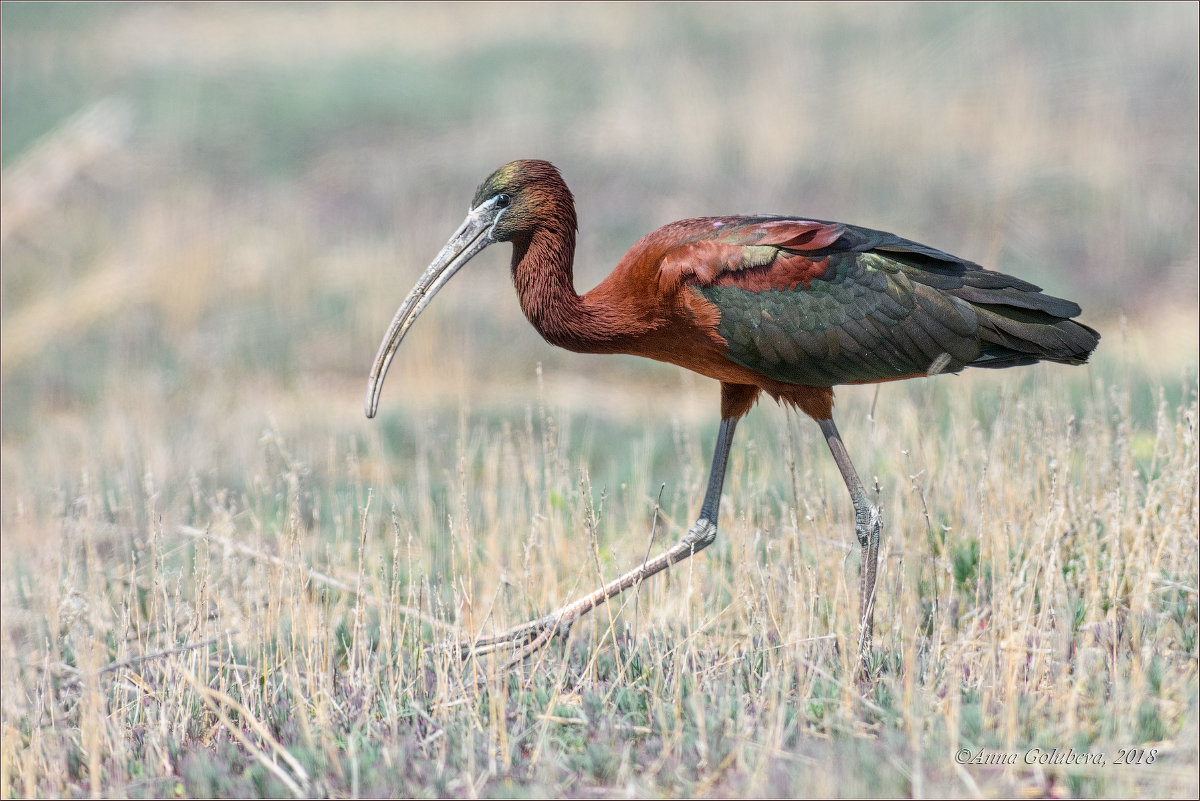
(701,534)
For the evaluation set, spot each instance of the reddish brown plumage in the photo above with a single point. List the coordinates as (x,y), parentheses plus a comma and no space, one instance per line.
(647,307)
(653,304)
(786,274)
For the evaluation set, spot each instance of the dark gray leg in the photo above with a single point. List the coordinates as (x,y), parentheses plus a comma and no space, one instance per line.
(866,527)
(536,633)
(704,530)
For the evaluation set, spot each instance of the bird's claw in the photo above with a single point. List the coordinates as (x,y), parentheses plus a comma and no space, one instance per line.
(702,534)
(866,524)
(516,637)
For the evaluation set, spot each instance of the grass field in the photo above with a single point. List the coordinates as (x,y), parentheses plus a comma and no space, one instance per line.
(219,579)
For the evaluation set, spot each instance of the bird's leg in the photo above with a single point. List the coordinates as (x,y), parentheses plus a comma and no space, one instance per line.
(704,530)
(536,633)
(866,527)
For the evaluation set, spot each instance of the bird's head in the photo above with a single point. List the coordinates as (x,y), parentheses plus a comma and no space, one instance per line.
(526,195)
(509,206)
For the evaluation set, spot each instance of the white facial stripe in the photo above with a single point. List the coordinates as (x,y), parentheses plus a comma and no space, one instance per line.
(485,209)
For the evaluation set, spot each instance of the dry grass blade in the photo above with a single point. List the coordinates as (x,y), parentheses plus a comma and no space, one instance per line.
(316,576)
(297,781)
(133,661)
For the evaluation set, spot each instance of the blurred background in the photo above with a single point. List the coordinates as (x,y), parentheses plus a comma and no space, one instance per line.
(211,211)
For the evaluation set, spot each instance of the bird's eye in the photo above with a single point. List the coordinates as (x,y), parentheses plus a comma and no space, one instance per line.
(502,200)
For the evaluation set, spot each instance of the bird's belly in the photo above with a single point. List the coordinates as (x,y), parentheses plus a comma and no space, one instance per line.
(693,350)
(690,348)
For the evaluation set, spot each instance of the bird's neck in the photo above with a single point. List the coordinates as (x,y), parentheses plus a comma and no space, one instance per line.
(543,272)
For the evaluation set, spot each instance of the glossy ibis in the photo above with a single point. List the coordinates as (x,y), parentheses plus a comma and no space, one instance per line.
(789,306)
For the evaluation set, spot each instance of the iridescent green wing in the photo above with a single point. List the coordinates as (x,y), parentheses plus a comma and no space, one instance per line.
(862,319)
(819,303)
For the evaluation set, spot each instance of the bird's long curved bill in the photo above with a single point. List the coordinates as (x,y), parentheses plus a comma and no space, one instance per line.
(470,238)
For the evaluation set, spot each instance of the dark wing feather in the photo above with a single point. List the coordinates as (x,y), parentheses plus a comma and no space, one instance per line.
(815,303)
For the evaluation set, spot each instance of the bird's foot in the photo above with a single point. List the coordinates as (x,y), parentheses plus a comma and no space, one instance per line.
(867,525)
(529,637)
(535,633)
(702,534)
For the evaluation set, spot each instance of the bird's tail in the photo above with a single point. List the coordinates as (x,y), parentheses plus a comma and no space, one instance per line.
(1018,324)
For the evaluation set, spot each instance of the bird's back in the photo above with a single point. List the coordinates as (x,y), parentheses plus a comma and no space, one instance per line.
(818,303)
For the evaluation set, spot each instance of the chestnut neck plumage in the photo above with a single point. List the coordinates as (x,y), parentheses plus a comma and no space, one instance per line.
(543,273)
